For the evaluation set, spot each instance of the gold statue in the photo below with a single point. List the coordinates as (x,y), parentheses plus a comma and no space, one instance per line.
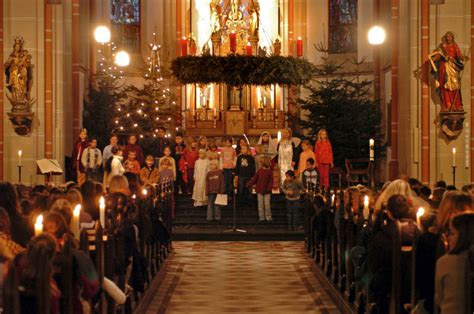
(18,71)
(253,9)
(215,16)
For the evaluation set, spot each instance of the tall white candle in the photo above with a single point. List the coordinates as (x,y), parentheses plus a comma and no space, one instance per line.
(366,207)
(39,225)
(279,136)
(371,149)
(454,156)
(102,211)
(75,227)
(20,152)
(419,214)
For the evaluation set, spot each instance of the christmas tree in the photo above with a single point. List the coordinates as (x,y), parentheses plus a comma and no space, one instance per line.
(343,105)
(99,108)
(147,107)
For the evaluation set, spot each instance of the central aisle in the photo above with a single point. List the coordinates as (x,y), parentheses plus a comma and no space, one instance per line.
(242,277)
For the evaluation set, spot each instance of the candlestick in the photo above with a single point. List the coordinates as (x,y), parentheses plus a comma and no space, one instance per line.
(75,226)
(20,152)
(371,149)
(102,211)
(39,225)
(366,207)
(184,46)
(299,47)
(454,156)
(233,41)
(249,49)
(419,214)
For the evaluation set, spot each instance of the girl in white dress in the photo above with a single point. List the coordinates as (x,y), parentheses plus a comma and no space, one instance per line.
(287,154)
(201,168)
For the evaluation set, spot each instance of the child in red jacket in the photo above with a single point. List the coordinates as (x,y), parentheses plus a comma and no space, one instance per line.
(324,160)
(264,185)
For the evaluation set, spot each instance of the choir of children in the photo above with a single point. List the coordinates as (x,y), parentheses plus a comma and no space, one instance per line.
(199,167)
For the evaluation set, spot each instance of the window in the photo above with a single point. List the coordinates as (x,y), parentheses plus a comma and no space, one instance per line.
(125,18)
(342,26)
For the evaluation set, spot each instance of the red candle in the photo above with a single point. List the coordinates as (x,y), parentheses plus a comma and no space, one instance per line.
(299,47)
(233,41)
(249,49)
(184,46)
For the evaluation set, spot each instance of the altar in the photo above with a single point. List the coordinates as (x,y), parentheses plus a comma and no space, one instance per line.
(233,27)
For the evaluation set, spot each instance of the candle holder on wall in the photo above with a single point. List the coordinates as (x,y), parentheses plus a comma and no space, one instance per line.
(454,175)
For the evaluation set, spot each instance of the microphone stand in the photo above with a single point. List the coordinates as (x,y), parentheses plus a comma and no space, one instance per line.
(234,226)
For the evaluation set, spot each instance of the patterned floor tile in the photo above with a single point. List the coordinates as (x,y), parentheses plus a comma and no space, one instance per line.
(241,277)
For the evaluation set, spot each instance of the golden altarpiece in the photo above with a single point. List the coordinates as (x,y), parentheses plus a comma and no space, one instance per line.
(235,26)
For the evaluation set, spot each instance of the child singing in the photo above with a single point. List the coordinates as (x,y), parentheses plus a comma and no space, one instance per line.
(264,185)
(324,160)
(244,171)
(131,164)
(228,159)
(201,168)
(149,174)
(214,186)
(167,156)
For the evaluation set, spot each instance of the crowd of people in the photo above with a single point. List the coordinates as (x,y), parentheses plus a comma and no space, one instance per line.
(438,221)
(209,173)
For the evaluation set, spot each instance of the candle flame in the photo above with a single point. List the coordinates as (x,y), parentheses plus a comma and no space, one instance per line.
(279,136)
(77,210)
(371,142)
(39,220)
(145,192)
(454,150)
(366,201)
(134,196)
(102,201)
(20,152)
(420,212)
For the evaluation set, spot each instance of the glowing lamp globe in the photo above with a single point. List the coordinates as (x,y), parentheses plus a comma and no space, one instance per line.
(102,34)
(122,58)
(376,35)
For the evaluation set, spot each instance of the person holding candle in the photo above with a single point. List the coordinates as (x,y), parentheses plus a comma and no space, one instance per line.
(324,157)
(80,146)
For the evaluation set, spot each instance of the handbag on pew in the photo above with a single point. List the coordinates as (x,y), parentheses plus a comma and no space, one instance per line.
(114,291)
(221,199)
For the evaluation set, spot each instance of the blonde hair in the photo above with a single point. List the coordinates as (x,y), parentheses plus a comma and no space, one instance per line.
(74,197)
(118,184)
(319,134)
(453,202)
(398,186)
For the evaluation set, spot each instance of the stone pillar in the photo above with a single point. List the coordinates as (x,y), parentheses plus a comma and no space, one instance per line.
(425,96)
(394,38)
(48,80)
(76,68)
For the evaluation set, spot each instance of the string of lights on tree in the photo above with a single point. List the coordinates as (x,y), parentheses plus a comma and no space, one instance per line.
(150,106)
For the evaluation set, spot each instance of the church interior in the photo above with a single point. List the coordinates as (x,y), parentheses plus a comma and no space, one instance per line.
(250,156)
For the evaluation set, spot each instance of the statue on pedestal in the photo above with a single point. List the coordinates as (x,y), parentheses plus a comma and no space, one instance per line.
(19,80)
(447,64)
(253,9)
(215,9)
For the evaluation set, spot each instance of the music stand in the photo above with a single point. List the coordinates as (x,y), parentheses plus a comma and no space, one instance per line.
(234,226)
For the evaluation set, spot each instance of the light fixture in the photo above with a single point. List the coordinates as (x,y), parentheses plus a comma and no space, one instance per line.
(122,58)
(376,35)
(102,34)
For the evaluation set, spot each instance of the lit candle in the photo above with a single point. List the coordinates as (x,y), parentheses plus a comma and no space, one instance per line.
(233,41)
(366,207)
(102,211)
(75,227)
(19,157)
(333,198)
(299,47)
(249,49)
(145,192)
(184,46)
(454,156)
(419,213)
(279,136)
(39,225)
(371,149)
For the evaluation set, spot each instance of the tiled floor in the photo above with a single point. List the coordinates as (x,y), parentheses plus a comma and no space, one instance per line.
(241,277)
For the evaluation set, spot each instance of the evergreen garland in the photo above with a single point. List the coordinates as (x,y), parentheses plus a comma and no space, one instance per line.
(239,70)
(345,107)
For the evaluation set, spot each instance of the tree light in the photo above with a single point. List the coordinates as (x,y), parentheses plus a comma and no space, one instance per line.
(376,35)
(102,34)
(122,58)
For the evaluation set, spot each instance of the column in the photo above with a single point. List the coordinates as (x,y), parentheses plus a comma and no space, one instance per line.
(472,93)
(425,100)
(393,165)
(48,80)
(76,85)
(2,79)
